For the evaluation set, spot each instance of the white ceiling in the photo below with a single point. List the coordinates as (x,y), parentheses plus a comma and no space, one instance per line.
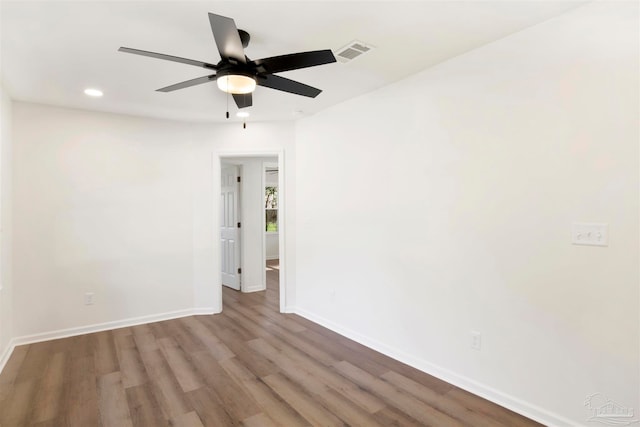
(52,50)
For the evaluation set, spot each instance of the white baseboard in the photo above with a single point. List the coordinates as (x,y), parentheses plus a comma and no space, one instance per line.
(513,403)
(6,354)
(81,330)
(204,311)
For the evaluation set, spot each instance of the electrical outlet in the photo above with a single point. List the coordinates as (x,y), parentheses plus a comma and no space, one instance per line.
(590,234)
(476,340)
(89,298)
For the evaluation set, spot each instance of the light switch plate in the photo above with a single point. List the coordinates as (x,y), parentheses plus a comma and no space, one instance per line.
(590,234)
(89,298)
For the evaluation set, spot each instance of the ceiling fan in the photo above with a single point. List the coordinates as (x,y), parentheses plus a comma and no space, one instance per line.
(238,75)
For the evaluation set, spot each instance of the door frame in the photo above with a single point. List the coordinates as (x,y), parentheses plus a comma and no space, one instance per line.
(218,157)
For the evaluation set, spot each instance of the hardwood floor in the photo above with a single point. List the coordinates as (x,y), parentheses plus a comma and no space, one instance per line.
(249,366)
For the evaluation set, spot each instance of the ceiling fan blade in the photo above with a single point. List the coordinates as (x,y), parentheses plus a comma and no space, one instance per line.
(288,85)
(168,57)
(188,83)
(225,33)
(294,61)
(243,100)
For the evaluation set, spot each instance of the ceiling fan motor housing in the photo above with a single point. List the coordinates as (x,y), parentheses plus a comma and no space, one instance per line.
(244,38)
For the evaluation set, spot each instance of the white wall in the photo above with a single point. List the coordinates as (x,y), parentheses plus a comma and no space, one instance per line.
(252,246)
(271,179)
(120,206)
(6,305)
(271,245)
(449,208)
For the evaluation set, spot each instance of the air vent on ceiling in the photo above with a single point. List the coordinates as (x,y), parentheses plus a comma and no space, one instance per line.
(352,51)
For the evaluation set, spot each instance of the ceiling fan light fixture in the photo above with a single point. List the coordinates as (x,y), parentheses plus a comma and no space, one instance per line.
(236,84)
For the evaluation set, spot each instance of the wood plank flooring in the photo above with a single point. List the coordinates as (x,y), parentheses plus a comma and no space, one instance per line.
(249,366)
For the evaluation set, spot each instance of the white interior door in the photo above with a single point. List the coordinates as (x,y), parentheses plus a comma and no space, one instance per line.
(230,232)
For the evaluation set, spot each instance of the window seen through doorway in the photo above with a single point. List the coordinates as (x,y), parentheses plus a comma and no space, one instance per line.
(271,209)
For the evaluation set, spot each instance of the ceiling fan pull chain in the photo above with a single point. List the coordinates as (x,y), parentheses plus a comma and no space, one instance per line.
(244,102)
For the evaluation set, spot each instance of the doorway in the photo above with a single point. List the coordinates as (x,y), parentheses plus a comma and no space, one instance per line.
(249,231)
